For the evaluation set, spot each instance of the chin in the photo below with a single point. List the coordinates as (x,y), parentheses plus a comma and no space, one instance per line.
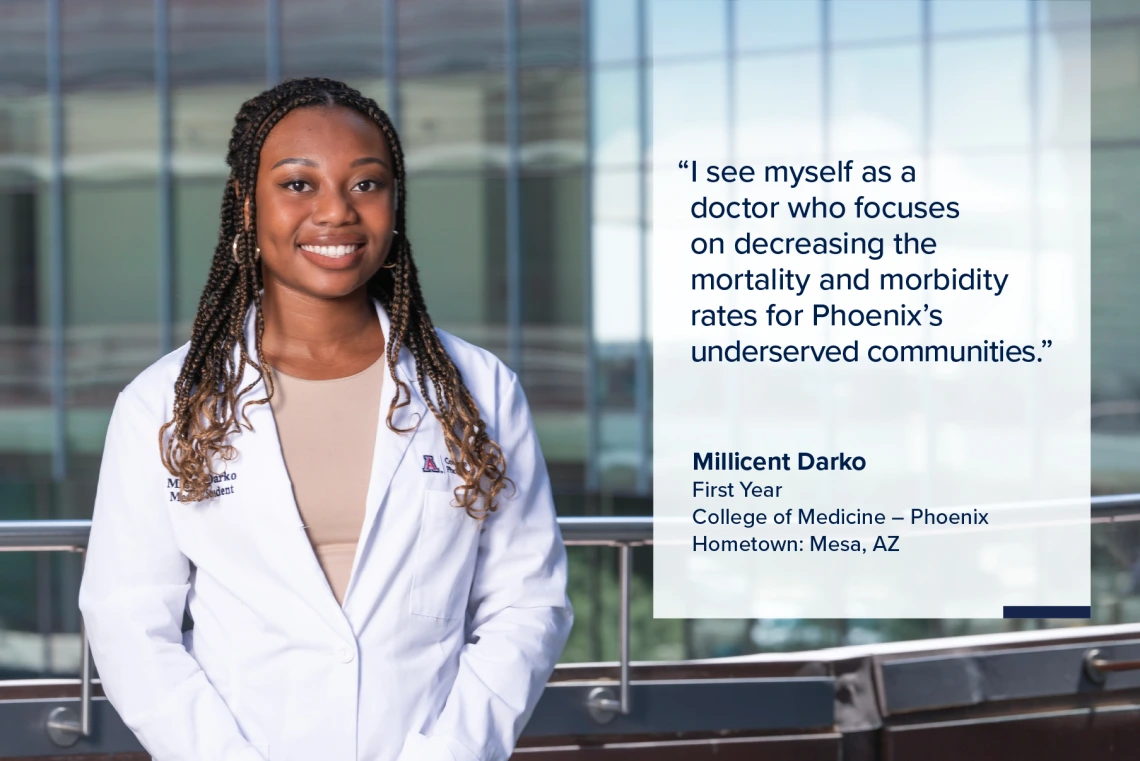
(318,282)
(333,285)
(333,288)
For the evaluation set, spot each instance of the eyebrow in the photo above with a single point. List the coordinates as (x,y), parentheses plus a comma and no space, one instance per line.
(303,162)
(369,160)
(310,162)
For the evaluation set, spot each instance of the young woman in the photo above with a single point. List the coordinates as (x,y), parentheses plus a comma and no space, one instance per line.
(351,504)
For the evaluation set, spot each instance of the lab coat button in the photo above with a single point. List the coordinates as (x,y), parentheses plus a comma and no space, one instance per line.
(345,654)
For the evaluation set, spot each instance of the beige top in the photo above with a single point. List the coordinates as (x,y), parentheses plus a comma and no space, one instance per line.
(328,434)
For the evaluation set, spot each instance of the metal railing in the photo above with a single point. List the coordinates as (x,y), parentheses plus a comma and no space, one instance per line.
(622,532)
(65,727)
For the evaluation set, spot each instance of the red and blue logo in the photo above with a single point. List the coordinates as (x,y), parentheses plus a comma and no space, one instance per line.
(429,464)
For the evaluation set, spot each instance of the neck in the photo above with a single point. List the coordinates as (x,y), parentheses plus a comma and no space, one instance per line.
(301,326)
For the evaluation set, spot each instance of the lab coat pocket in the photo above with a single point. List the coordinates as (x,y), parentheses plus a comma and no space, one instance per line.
(444,559)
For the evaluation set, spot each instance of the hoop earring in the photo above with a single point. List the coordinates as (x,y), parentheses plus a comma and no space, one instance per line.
(395,261)
(237,259)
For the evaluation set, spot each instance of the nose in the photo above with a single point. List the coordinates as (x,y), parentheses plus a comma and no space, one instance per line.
(334,208)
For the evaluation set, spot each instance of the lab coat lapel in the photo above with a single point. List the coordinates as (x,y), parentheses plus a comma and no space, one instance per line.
(277,528)
(391,446)
(277,525)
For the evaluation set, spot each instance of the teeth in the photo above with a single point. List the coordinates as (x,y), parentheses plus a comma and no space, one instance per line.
(334,252)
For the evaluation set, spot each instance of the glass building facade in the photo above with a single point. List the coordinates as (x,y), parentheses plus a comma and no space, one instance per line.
(526,126)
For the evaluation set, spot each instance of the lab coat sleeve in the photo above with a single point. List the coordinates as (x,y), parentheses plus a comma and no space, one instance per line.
(132,597)
(519,615)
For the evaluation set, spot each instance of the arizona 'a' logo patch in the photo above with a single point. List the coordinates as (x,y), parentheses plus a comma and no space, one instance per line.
(429,464)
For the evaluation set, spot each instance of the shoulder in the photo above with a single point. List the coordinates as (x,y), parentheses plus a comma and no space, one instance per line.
(152,390)
(494,385)
(479,366)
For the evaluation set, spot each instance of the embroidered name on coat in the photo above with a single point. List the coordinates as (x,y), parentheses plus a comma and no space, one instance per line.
(219,489)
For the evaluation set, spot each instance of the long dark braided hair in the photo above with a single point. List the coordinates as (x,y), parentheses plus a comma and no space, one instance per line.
(209,386)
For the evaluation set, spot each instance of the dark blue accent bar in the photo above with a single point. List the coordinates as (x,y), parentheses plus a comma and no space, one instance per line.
(1047,611)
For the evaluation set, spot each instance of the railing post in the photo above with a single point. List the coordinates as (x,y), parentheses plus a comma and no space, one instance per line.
(625,568)
(601,703)
(84,672)
(63,727)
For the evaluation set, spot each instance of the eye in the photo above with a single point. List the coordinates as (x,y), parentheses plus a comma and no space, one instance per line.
(369,185)
(297,186)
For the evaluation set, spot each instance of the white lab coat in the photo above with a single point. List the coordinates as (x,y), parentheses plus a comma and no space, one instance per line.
(449,629)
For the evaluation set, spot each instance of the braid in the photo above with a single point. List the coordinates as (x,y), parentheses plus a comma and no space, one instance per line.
(206,406)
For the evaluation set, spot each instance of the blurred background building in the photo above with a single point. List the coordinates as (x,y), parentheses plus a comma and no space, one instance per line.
(525,125)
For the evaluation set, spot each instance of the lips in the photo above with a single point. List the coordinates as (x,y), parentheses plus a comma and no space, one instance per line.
(333,251)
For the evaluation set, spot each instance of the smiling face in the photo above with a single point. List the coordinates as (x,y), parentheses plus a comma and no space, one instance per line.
(325,202)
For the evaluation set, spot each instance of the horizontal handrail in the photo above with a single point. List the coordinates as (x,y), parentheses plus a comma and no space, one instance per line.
(623,529)
(62,535)
(58,535)
(1112,505)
